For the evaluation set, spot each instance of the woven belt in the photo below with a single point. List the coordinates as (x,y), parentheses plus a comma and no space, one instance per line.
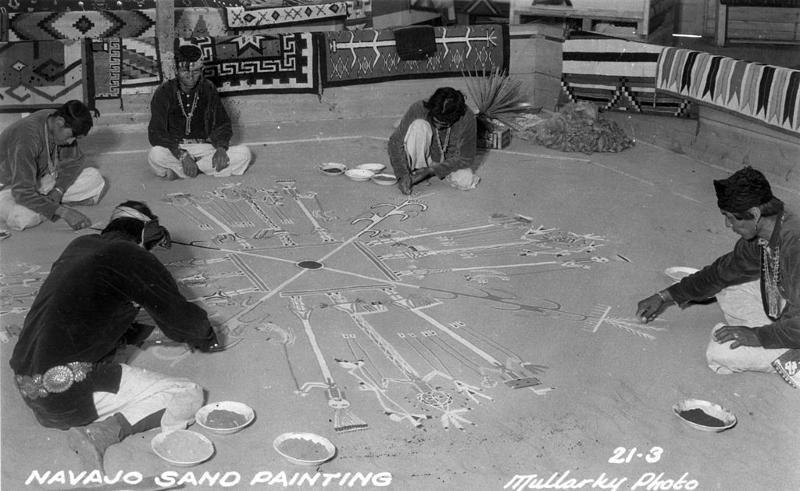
(55,380)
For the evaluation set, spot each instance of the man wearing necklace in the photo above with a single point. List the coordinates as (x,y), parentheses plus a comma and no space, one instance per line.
(435,137)
(757,285)
(189,129)
(42,170)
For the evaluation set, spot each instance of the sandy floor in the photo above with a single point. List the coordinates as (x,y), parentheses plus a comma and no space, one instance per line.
(424,316)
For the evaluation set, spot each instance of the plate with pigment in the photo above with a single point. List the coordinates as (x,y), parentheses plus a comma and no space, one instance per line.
(677,273)
(332,168)
(225,417)
(182,448)
(384,179)
(704,415)
(359,175)
(371,166)
(304,448)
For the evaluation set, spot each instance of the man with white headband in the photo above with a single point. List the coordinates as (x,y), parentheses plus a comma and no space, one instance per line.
(189,129)
(64,362)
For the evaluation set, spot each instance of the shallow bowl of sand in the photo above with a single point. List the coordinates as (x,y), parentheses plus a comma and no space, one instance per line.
(225,417)
(304,448)
(182,448)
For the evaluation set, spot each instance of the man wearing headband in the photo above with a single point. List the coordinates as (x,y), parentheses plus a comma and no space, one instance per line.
(189,129)
(437,137)
(757,285)
(42,170)
(65,362)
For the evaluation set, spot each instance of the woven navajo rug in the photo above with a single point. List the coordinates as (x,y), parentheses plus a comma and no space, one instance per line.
(81,24)
(141,65)
(264,63)
(195,23)
(104,68)
(241,18)
(40,74)
(74,5)
(615,75)
(766,93)
(369,55)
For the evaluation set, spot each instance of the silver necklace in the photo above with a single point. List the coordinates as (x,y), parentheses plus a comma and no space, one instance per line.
(439,143)
(187,117)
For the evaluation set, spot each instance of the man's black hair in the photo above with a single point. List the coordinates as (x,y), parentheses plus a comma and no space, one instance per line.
(77,116)
(446,104)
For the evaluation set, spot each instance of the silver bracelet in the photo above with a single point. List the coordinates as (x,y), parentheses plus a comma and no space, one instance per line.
(662,297)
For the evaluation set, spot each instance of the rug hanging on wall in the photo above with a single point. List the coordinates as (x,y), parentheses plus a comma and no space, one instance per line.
(369,55)
(194,23)
(74,5)
(766,93)
(241,18)
(40,74)
(616,75)
(104,68)
(141,65)
(359,15)
(81,24)
(261,63)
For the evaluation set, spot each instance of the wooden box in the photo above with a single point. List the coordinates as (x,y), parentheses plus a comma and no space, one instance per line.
(493,134)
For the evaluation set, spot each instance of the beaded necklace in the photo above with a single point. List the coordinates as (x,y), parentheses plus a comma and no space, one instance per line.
(439,143)
(188,116)
(52,155)
(771,274)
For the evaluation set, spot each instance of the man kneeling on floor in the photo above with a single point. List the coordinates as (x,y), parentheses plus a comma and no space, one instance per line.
(189,128)
(84,312)
(437,137)
(42,170)
(757,284)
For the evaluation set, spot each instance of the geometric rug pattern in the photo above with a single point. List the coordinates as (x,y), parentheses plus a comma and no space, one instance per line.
(141,65)
(239,18)
(369,55)
(261,63)
(616,75)
(766,93)
(105,63)
(40,74)
(81,24)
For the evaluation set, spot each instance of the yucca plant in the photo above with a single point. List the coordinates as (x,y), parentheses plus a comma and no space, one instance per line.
(497,96)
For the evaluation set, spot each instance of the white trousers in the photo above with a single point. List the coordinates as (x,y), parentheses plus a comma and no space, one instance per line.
(142,393)
(88,185)
(417,143)
(161,159)
(741,305)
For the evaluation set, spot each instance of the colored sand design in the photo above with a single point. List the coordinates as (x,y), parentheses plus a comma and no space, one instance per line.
(700,417)
(222,418)
(302,449)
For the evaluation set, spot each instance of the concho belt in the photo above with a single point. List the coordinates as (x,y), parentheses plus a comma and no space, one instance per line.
(186,141)
(55,380)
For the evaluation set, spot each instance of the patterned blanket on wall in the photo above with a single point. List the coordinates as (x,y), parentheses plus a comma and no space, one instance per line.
(74,5)
(616,75)
(241,18)
(141,65)
(766,93)
(104,68)
(96,24)
(369,55)
(40,74)
(261,63)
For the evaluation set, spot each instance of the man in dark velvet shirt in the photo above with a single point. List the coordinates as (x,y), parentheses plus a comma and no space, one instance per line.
(63,362)
(189,128)
(757,285)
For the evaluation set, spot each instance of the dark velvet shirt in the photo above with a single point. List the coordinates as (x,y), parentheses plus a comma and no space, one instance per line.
(743,264)
(85,310)
(210,121)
